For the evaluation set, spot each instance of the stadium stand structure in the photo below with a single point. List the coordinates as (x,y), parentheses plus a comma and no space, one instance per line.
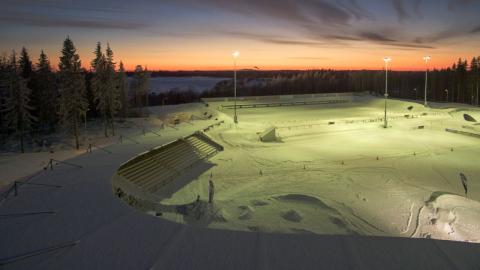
(284,104)
(284,100)
(154,169)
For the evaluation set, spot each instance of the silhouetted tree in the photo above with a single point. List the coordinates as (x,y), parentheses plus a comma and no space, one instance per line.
(73,105)
(122,89)
(18,117)
(140,86)
(45,94)
(474,79)
(25,65)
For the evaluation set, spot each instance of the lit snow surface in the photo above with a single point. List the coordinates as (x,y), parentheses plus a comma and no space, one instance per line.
(322,200)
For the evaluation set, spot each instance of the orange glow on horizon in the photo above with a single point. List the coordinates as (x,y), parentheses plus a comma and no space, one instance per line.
(399,66)
(217,57)
(395,65)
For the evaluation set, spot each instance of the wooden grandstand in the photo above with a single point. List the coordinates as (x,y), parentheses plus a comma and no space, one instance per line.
(154,169)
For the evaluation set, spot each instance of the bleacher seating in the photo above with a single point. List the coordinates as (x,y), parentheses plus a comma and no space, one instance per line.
(153,170)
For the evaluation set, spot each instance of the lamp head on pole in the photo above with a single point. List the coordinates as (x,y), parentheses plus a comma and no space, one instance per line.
(236,54)
(427,58)
(387,59)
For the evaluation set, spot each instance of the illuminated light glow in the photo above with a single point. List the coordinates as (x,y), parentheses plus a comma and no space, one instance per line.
(236,54)
(386,60)
(426,59)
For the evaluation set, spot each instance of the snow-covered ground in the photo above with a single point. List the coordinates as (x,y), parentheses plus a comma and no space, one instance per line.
(62,147)
(79,223)
(350,177)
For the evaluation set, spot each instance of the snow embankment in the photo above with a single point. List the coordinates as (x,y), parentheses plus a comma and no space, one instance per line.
(449,217)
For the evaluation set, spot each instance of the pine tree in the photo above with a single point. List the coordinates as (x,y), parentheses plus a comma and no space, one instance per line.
(4,87)
(140,88)
(25,65)
(114,103)
(105,90)
(44,94)
(476,75)
(473,80)
(73,105)
(17,110)
(98,55)
(122,89)
(460,76)
(100,91)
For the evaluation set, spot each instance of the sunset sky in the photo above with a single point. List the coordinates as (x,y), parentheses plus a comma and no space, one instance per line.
(282,34)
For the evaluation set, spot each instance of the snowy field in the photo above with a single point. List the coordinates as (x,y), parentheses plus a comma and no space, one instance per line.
(348,177)
(306,210)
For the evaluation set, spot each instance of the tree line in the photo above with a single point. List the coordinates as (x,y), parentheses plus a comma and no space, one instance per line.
(35,100)
(458,83)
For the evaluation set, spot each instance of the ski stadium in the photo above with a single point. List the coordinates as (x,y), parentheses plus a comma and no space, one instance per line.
(300,182)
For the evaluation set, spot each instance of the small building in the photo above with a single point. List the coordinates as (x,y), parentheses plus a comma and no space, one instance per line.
(269,135)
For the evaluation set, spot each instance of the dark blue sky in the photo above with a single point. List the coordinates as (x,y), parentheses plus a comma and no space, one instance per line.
(186,34)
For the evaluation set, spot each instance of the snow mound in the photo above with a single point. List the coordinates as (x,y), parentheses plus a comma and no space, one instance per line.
(221,216)
(450,217)
(305,199)
(292,215)
(259,202)
(246,212)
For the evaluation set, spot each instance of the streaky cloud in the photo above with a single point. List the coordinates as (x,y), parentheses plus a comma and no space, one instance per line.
(453,4)
(399,7)
(275,39)
(371,36)
(475,30)
(93,23)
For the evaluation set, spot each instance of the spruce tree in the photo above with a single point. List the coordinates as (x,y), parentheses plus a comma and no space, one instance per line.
(140,87)
(45,94)
(4,87)
(114,103)
(122,89)
(476,78)
(25,65)
(73,104)
(98,54)
(105,89)
(100,91)
(18,117)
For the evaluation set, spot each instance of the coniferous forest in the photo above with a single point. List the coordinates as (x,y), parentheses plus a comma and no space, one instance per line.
(459,83)
(37,99)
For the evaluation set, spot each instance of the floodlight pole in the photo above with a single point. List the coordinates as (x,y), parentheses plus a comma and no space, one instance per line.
(426,59)
(235,56)
(386,59)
